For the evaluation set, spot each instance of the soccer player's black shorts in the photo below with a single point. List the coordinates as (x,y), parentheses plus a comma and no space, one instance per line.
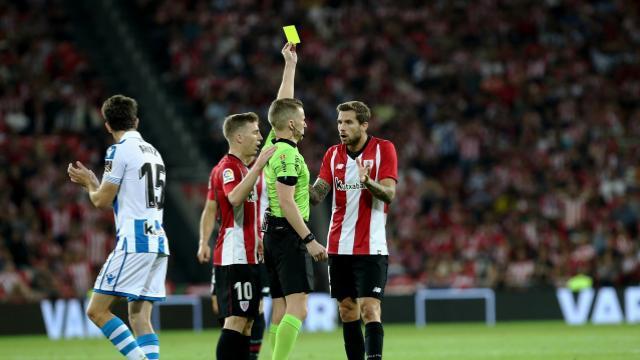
(287,259)
(264,280)
(238,289)
(358,276)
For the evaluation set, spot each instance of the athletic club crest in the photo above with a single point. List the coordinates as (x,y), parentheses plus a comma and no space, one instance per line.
(244,305)
(368,163)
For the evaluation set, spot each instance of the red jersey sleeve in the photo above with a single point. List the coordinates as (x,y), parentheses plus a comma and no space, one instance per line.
(230,177)
(388,161)
(211,191)
(325,168)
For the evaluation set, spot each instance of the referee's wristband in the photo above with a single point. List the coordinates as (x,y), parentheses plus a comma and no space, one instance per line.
(309,238)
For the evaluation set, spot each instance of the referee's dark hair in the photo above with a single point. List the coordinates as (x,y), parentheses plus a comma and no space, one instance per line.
(363,114)
(234,122)
(120,112)
(282,110)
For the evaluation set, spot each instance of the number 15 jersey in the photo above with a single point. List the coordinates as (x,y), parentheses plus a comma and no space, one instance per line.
(137,167)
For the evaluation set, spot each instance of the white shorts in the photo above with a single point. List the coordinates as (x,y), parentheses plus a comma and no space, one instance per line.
(136,276)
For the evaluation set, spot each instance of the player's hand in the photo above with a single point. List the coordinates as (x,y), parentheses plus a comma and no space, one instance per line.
(204,253)
(363,171)
(289,53)
(264,157)
(81,175)
(260,251)
(317,251)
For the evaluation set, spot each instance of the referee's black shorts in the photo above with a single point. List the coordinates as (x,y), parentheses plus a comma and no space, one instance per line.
(358,276)
(288,261)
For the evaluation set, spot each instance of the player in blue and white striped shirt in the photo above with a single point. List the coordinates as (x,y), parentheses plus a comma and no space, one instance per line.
(133,184)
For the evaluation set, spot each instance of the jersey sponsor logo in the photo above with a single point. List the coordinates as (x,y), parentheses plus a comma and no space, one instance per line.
(227,176)
(108,164)
(342,186)
(151,230)
(244,305)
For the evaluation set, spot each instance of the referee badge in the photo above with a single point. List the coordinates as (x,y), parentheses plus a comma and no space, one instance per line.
(227,176)
(244,305)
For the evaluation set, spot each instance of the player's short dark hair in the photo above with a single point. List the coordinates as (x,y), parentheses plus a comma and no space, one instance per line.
(234,122)
(363,113)
(120,112)
(282,110)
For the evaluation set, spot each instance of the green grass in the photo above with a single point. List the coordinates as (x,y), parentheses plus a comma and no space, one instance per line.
(530,340)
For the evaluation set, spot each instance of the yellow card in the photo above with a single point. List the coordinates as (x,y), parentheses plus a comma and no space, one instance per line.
(291,33)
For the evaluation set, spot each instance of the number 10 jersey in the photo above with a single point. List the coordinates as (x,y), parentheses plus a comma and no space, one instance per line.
(137,167)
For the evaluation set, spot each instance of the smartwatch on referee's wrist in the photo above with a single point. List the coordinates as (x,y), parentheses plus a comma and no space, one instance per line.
(309,238)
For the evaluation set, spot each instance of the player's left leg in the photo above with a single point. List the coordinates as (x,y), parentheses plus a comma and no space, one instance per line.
(257,330)
(373,331)
(370,272)
(140,308)
(112,327)
(140,321)
(234,339)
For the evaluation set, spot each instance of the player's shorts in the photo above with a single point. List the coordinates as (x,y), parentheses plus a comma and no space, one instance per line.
(287,259)
(136,276)
(238,290)
(358,276)
(264,280)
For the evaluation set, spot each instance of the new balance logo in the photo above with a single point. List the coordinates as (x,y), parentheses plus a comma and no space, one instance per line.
(377,290)
(339,166)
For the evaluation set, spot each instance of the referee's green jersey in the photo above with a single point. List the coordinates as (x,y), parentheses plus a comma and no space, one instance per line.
(286,164)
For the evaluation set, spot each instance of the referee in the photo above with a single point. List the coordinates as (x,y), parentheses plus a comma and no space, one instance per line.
(289,244)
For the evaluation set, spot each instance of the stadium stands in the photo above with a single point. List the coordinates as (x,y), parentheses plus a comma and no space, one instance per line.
(51,240)
(516,125)
(516,129)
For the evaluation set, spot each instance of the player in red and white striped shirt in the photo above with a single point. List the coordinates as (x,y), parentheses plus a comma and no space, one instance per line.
(363,172)
(234,189)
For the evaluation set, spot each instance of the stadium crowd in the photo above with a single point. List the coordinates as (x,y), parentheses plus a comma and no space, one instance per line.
(516,123)
(516,126)
(52,241)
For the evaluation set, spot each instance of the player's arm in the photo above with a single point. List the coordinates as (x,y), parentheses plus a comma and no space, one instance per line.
(384,190)
(241,191)
(318,191)
(289,73)
(207,224)
(100,194)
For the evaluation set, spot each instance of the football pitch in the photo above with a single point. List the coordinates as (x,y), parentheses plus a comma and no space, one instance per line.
(521,340)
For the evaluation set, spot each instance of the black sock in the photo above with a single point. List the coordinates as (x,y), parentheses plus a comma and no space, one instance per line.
(373,334)
(353,340)
(245,353)
(229,345)
(257,332)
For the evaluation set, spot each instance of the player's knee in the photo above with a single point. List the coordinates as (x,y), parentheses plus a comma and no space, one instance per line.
(247,328)
(370,311)
(348,311)
(236,323)
(97,316)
